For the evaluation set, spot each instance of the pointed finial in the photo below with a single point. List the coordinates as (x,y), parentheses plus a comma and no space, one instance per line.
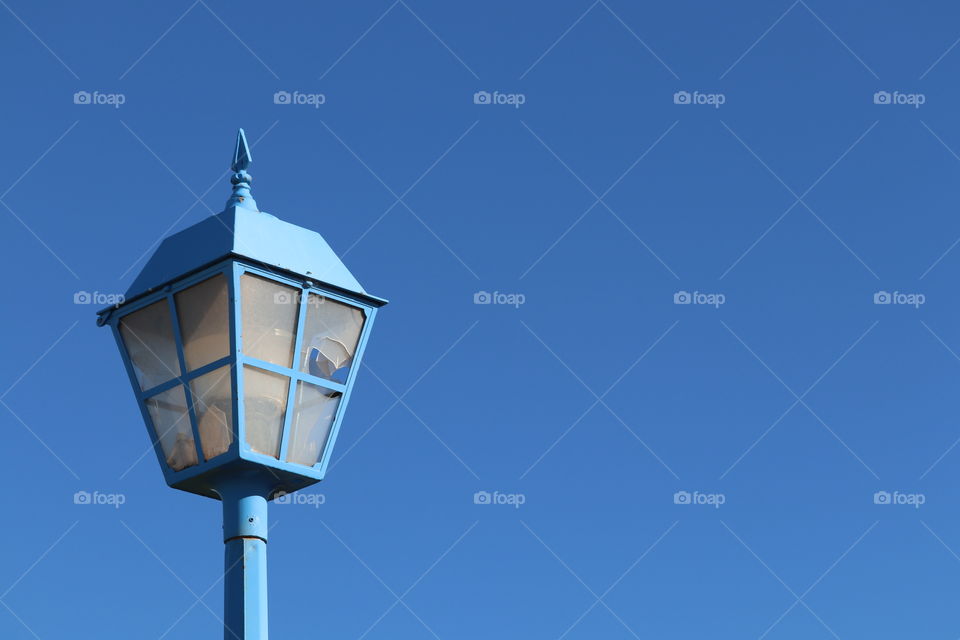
(241,153)
(241,179)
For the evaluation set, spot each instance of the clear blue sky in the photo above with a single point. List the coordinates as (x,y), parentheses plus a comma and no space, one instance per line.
(598,199)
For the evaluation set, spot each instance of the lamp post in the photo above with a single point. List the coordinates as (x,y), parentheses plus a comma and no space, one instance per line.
(242,337)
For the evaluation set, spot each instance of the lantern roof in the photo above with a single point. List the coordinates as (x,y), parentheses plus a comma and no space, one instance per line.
(242,230)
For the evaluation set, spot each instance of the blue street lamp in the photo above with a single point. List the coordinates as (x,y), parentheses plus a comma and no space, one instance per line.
(242,338)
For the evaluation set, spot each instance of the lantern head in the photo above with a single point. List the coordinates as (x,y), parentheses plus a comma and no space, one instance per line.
(242,338)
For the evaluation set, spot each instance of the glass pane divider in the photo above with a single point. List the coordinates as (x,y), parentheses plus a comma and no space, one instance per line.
(236,348)
(292,373)
(160,388)
(177,338)
(184,379)
(291,393)
(207,368)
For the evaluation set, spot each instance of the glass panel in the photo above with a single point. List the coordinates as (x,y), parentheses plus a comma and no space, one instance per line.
(204,326)
(330,336)
(148,336)
(212,404)
(314,410)
(264,405)
(270,312)
(171,421)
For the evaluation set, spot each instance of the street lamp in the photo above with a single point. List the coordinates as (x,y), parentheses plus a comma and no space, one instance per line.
(242,338)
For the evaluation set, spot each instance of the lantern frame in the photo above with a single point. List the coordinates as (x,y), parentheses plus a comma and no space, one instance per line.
(238,241)
(207,475)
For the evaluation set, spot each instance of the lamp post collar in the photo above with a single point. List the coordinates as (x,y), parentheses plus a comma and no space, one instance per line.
(241,179)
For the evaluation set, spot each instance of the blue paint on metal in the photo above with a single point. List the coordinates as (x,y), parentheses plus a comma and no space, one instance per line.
(245,529)
(203,477)
(237,241)
(319,470)
(241,153)
(242,231)
(296,374)
(245,589)
(241,179)
(258,237)
(192,375)
(245,507)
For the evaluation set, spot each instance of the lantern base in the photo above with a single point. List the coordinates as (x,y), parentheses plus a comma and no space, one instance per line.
(208,481)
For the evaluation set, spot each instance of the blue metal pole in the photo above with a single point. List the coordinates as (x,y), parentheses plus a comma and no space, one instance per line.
(245,562)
